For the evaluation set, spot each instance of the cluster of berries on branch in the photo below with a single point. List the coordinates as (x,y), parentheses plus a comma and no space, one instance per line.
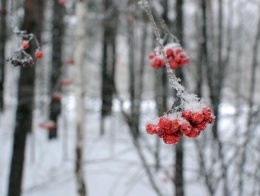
(190,121)
(20,57)
(174,53)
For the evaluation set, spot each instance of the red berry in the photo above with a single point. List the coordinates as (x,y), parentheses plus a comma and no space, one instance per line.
(201,126)
(178,134)
(211,120)
(66,82)
(62,2)
(130,19)
(48,125)
(150,128)
(56,96)
(187,114)
(25,45)
(38,54)
(169,53)
(184,61)
(186,128)
(170,139)
(173,64)
(178,50)
(177,58)
(156,63)
(175,125)
(206,112)
(151,56)
(197,118)
(193,133)
(159,131)
(164,123)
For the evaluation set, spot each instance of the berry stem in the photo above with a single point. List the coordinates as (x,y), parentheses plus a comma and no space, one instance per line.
(173,80)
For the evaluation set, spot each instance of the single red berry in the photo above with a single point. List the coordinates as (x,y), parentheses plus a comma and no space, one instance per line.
(211,120)
(178,50)
(201,126)
(130,19)
(150,128)
(173,64)
(175,125)
(48,125)
(177,58)
(159,131)
(25,45)
(56,96)
(186,128)
(170,139)
(66,82)
(70,62)
(197,118)
(178,134)
(206,112)
(62,2)
(151,56)
(184,61)
(38,54)
(164,123)
(193,133)
(169,53)
(156,63)
(187,114)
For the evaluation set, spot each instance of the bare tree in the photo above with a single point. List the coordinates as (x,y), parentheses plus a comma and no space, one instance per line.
(79,55)
(2,50)
(32,23)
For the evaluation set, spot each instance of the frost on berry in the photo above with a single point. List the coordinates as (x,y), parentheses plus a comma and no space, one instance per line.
(174,53)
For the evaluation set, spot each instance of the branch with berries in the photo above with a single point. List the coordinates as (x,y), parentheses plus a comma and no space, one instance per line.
(20,57)
(192,115)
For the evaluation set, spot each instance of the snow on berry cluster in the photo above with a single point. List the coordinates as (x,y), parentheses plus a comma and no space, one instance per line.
(174,53)
(20,57)
(193,119)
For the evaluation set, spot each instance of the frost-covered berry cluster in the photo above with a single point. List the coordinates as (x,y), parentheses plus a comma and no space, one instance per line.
(174,53)
(20,57)
(190,122)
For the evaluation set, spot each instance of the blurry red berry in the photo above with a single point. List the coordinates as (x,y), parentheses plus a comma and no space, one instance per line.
(193,133)
(164,123)
(170,139)
(151,56)
(159,131)
(70,62)
(48,125)
(211,120)
(56,96)
(201,126)
(177,58)
(150,128)
(186,128)
(187,114)
(173,64)
(130,19)
(184,61)
(178,134)
(178,50)
(66,82)
(38,54)
(175,124)
(169,53)
(197,118)
(62,2)
(25,44)
(206,112)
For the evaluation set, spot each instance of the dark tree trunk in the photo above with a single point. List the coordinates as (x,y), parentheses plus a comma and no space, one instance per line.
(108,59)
(2,50)
(179,178)
(57,40)
(33,24)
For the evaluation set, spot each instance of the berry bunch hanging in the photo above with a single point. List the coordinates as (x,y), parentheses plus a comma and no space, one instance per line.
(20,57)
(191,116)
(174,53)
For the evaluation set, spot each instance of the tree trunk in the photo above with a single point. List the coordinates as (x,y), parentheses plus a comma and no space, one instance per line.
(81,13)
(57,41)
(2,51)
(179,178)
(32,23)
(108,59)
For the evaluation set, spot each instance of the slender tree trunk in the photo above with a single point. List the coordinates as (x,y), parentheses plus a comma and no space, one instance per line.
(57,41)
(108,59)
(81,13)
(32,23)
(2,50)
(179,178)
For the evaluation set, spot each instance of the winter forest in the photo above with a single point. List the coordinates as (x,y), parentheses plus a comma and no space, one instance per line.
(129,98)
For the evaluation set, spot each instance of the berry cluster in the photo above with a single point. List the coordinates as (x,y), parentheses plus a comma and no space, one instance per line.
(172,127)
(20,57)
(174,53)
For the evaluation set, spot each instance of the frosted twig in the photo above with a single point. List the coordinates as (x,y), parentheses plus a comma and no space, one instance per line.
(173,80)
